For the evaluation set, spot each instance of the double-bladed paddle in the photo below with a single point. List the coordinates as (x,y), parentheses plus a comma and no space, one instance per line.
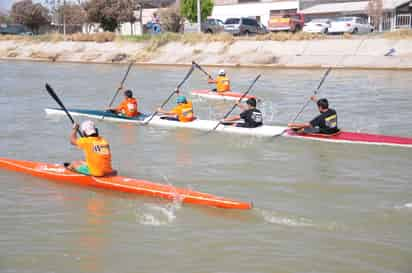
(59,102)
(325,75)
(121,84)
(201,69)
(234,106)
(314,93)
(172,94)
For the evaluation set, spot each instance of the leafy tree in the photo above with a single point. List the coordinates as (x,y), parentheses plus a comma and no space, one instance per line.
(189,9)
(110,13)
(5,19)
(29,14)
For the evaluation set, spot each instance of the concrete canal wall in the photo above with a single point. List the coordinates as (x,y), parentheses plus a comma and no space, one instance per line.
(340,53)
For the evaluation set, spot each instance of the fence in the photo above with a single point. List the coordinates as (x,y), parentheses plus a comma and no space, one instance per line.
(403,21)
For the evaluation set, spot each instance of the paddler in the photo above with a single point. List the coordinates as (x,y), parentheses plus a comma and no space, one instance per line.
(222,82)
(96,150)
(128,107)
(251,116)
(325,123)
(182,112)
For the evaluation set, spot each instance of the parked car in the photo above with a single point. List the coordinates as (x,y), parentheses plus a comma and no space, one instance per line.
(317,26)
(350,25)
(287,22)
(242,26)
(212,26)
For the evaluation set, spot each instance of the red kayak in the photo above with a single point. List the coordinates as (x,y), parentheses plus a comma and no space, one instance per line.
(221,96)
(352,137)
(57,172)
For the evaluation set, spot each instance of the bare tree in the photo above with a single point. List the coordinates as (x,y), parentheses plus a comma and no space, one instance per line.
(170,19)
(29,14)
(375,12)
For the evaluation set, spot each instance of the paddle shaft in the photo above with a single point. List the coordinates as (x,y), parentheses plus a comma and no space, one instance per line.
(240,99)
(307,102)
(172,94)
(201,69)
(315,93)
(121,84)
(60,103)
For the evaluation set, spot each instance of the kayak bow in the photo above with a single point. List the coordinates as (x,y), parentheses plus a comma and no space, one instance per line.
(232,96)
(57,172)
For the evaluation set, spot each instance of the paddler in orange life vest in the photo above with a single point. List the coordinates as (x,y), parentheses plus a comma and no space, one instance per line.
(182,112)
(96,150)
(222,82)
(128,107)
(325,123)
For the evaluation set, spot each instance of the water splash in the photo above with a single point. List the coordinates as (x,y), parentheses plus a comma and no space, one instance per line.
(157,215)
(404,206)
(275,218)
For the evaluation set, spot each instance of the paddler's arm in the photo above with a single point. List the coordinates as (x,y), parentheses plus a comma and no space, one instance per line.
(242,106)
(233,118)
(314,98)
(211,80)
(297,125)
(167,113)
(73,134)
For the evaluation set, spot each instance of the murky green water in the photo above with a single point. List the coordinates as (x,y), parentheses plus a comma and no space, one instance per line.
(319,207)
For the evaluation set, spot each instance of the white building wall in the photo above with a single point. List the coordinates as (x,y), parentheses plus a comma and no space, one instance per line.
(252,10)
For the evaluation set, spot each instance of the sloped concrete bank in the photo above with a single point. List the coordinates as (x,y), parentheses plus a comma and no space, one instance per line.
(338,53)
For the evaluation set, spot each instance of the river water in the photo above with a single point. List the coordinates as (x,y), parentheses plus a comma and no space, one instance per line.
(319,207)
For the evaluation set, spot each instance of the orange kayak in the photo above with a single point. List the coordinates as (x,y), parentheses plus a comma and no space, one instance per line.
(58,172)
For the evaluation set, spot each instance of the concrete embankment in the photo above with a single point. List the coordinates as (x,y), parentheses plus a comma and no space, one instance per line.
(340,53)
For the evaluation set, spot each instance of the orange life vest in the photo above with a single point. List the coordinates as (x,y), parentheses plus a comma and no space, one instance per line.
(184,112)
(97,154)
(222,84)
(128,107)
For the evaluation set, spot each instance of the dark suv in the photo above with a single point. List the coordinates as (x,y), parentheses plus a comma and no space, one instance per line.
(242,26)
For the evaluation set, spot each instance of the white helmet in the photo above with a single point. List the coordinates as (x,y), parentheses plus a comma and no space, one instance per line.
(88,128)
(222,72)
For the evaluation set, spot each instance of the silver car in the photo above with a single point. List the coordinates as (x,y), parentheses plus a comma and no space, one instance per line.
(242,26)
(212,26)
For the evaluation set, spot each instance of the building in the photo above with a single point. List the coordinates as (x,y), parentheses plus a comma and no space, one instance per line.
(259,9)
(396,14)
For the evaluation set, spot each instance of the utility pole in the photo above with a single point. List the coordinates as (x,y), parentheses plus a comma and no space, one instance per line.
(64,18)
(199,19)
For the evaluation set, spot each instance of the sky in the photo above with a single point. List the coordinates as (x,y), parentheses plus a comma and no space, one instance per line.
(5,4)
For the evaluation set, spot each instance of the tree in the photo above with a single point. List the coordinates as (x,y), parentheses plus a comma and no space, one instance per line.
(73,14)
(31,15)
(170,19)
(189,9)
(5,19)
(375,11)
(110,13)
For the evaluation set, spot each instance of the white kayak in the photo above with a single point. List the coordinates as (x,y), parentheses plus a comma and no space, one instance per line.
(262,131)
(229,96)
(198,124)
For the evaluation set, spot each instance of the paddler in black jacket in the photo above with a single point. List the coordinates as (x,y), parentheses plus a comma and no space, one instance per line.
(325,123)
(251,116)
